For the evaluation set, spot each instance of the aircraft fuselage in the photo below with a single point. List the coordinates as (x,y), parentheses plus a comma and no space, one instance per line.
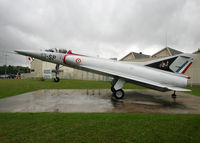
(105,66)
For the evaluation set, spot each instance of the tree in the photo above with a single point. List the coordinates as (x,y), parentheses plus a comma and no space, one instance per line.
(13,69)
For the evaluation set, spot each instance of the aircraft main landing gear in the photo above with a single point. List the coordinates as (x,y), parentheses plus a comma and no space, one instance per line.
(116,88)
(112,89)
(119,94)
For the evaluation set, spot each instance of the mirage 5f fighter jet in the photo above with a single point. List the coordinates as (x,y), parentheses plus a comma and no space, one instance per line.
(165,74)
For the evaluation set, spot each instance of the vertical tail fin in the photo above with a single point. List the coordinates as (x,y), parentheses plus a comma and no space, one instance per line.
(182,63)
(177,64)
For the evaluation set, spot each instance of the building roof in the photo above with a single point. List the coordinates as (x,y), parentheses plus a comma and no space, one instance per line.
(171,51)
(136,56)
(174,52)
(197,52)
(140,55)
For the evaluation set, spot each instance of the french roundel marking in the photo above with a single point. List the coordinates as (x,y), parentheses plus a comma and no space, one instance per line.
(78,60)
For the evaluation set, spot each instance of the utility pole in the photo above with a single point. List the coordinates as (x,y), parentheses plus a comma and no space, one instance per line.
(166,39)
(6,55)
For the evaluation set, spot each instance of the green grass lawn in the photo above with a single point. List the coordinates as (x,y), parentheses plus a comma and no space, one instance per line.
(108,127)
(11,87)
(195,90)
(95,128)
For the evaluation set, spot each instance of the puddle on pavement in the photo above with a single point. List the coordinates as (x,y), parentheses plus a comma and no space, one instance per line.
(59,101)
(90,101)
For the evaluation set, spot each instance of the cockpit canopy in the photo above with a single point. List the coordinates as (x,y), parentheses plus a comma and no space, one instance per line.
(56,50)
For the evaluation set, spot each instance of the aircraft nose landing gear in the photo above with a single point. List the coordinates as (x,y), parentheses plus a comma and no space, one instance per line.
(56,79)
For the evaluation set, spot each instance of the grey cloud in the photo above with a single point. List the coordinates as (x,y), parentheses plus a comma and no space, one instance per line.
(99,27)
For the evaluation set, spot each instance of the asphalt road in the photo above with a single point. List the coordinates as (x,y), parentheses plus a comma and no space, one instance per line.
(137,101)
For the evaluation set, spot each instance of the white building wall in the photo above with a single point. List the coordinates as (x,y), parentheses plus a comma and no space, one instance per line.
(194,72)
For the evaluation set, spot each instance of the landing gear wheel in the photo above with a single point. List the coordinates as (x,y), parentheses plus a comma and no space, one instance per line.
(119,94)
(56,79)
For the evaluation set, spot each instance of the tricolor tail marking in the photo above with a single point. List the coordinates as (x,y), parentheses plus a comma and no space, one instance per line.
(184,67)
(187,68)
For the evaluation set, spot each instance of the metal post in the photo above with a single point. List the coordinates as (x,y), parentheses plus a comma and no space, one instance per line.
(6,63)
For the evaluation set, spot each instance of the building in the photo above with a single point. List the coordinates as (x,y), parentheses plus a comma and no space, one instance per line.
(194,70)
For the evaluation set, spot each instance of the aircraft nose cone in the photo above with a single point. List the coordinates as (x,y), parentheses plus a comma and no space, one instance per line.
(28,53)
(21,52)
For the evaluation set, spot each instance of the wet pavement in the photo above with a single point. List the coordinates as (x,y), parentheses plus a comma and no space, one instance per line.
(137,101)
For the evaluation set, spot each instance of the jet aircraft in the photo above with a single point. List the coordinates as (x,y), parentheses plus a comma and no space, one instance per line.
(166,74)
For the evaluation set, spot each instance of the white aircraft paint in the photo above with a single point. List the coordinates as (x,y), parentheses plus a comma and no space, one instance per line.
(147,74)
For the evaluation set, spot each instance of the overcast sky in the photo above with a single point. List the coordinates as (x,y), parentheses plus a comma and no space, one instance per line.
(107,28)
